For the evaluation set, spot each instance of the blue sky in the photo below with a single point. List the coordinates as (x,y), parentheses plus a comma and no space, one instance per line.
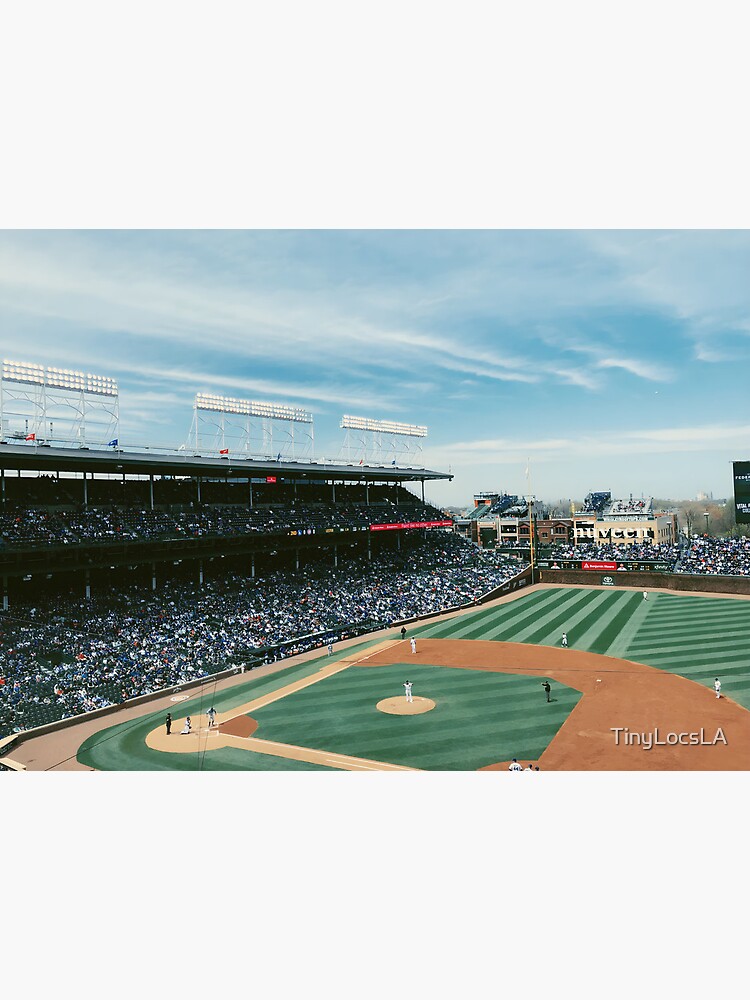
(614,359)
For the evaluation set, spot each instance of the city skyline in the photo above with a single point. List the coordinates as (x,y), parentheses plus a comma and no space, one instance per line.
(597,360)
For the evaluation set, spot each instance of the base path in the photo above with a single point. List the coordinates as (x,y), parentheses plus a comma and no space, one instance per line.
(617,694)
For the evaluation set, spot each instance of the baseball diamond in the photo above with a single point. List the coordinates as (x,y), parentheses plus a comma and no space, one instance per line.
(631,666)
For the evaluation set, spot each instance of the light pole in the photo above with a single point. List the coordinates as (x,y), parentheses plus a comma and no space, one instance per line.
(531,500)
(706,515)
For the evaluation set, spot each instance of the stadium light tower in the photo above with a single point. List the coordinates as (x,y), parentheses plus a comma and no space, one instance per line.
(248,428)
(382,442)
(84,408)
(706,515)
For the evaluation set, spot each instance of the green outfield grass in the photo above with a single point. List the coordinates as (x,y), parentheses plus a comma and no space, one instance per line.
(479,717)
(698,637)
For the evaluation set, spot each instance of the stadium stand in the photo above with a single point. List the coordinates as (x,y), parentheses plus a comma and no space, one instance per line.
(595,502)
(635,551)
(31,527)
(67,657)
(716,556)
(627,508)
(503,505)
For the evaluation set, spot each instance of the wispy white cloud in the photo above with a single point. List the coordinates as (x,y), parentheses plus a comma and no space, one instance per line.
(643,369)
(607,443)
(456,330)
(159,297)
(577,376)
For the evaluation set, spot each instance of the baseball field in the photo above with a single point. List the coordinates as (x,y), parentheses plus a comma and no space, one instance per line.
(636,672)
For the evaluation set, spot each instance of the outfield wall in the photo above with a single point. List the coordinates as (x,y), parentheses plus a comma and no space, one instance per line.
(522,580)
(697,583)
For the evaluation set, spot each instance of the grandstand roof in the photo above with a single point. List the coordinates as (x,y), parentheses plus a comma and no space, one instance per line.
(40,458)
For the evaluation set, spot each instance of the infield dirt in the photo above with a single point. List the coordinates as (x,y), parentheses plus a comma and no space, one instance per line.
(616,694)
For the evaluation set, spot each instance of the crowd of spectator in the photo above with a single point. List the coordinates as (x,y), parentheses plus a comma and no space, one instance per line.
(630,506)
(65,658)
(716,556)
(42,527)
(640,551)
(700,554)
(595,502)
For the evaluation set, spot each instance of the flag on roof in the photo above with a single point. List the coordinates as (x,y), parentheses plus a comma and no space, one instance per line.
(112,443)
(361,461)
(31,437)
(223,451)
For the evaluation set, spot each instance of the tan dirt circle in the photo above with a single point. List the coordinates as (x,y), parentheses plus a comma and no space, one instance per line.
(400,706)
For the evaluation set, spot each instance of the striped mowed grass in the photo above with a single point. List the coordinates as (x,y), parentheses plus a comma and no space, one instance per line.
(479,717)
(697,637)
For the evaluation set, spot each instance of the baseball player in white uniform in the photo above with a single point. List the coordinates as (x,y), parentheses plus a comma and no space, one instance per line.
(515,766)
(407,688)
(717,687)
(413,642)
(645,595)
(564,640)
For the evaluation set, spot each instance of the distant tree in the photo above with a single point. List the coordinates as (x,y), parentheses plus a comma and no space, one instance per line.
(722,520)
(691,514)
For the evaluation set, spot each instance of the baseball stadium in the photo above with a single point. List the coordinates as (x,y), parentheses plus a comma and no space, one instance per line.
(216,609)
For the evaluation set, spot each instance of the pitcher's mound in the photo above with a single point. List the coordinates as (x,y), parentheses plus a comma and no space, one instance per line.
(400,706)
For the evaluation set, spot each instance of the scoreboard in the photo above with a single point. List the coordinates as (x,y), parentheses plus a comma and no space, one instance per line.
(742,492)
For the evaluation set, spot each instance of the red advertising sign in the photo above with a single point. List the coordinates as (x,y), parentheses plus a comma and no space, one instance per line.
(599,565)
(270,479)
(411,524)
